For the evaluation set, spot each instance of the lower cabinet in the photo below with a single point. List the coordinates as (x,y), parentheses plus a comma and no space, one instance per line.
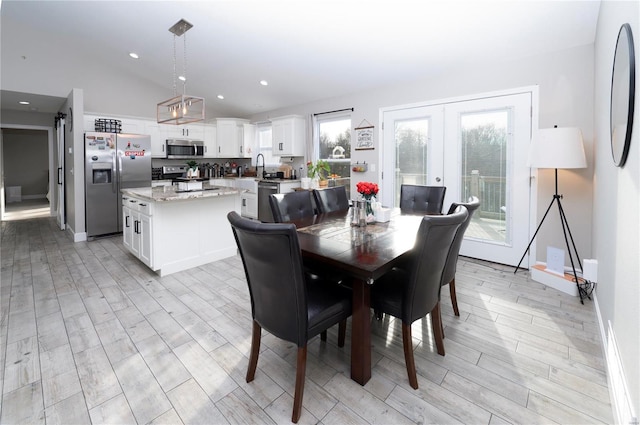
(249,206)
(137,224)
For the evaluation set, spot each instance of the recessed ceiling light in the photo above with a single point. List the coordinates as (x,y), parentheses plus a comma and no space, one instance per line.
(220,97)
(182,78)
(264,82)
(134,55)
(24,102)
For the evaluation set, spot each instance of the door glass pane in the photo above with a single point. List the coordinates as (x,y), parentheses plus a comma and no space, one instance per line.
(411,140)
(484,172)
(335,148)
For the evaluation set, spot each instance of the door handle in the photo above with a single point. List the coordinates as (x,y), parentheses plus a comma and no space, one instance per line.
(438,179)
(126,221)
(136,227)
(113,176)
(59,175)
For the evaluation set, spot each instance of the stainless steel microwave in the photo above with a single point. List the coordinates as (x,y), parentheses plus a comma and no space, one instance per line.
(184,149)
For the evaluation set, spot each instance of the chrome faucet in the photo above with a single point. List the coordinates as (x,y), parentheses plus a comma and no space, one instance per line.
(257,158)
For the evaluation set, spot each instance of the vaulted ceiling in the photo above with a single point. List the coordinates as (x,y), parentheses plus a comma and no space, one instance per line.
(307,50)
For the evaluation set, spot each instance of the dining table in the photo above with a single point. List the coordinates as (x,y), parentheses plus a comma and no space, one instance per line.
(361,254)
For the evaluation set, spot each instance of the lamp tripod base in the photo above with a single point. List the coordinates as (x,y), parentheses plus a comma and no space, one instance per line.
(584,287)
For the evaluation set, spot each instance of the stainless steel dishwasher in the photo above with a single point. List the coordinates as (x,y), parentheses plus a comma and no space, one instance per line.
(266,188)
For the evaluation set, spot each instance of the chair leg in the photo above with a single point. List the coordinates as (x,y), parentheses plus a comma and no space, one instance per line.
(323,336)
(454,300)
(436,325)
(255,350)
(342,331)
(301,367)
(408,355)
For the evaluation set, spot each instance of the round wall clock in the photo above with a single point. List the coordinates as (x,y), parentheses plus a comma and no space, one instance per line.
(622,95)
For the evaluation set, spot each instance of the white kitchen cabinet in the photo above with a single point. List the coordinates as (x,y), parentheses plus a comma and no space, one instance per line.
(158,138)
(247,140)
(137,235)
(286,187)
(288,135)
(189,131)
(249,205)
(227,138)
(210,137)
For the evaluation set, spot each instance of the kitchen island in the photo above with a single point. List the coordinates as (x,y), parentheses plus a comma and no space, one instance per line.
(171,230)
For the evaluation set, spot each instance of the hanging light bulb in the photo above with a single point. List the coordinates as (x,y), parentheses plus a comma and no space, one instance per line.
(180,109)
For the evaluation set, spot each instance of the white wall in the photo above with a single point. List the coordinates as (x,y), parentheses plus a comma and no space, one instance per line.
(616,222)
(74,165)
(565,81)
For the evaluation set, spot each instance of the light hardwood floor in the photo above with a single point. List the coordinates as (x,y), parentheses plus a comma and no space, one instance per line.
(90,335)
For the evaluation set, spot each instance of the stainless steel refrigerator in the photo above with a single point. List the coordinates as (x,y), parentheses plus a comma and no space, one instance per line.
(112,162)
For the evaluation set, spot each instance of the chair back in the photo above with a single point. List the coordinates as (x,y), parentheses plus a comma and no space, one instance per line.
(452,260)
(331,199)
(427,261)
(273,267)
(291,206)
(422,199)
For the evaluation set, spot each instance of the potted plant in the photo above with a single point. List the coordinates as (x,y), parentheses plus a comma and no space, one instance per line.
(318,171)
(193,168)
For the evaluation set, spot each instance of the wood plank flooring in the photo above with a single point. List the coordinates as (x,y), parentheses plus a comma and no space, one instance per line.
(88,334)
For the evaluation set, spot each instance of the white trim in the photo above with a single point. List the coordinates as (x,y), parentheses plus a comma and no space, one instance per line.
(621,406)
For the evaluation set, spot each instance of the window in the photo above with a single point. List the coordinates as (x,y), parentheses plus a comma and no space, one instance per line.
(333,144)
(264,145)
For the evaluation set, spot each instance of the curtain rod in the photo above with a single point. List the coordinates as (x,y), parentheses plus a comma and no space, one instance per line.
(331,112)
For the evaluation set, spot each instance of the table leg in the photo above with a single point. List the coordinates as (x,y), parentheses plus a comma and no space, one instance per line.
(361,332)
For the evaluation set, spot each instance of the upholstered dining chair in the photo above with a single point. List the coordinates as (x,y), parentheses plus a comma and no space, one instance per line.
(331,199)
(291,206)
(287,303)
(416,199)
(449,275)
(410,293)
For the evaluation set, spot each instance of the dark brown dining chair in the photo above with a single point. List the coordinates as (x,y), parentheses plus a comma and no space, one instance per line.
(449,276)
(331,199)
(287,303)
(416,199)
(412,292)
(291,206)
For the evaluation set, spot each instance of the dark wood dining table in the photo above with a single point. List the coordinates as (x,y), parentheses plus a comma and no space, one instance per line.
(362,254)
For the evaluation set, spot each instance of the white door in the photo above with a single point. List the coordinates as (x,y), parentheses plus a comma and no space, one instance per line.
(413,150)
(485,156)
(475,148)
(60,176)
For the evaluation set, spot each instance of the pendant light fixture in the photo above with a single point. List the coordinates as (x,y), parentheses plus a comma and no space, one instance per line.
(180,109)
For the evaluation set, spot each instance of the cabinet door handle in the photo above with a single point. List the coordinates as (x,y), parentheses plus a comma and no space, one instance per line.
(240,148)
(279,146)
(218,149)
(244,202)
(126,221)
(143,205)
(135,226)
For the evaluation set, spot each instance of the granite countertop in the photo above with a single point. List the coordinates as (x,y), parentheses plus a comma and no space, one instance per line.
(171,193)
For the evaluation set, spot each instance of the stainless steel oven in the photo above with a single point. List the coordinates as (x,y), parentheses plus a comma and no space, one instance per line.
(185,149)
(266,188)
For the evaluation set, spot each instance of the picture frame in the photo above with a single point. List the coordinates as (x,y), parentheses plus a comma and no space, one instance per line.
(364,138)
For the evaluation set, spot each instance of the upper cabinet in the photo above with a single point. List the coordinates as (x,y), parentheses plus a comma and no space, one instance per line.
(247,140)
(235,138)
(210,145)
(193,131)
(287,135)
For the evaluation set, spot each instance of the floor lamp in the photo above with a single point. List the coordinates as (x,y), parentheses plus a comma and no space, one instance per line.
(559,148)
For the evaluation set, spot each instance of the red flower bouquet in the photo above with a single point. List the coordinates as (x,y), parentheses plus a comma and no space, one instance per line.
(367,190)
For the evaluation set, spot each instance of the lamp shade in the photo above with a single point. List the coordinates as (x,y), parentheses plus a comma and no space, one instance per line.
(557,148)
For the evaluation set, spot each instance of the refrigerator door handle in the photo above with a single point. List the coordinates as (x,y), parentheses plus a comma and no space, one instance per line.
(113,175)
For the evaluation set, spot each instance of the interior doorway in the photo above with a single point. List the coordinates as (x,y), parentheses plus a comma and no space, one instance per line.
(27,179)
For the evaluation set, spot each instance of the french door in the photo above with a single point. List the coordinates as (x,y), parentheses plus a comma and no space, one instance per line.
(475,148)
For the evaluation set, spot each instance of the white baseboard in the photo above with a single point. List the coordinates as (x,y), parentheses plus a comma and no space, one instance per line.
(618,391)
